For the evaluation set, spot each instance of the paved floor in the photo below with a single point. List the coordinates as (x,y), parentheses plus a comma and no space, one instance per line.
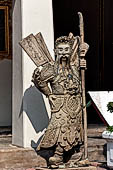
(95,168)
(5,144)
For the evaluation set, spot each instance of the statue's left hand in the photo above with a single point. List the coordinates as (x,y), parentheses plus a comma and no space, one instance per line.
(83,63)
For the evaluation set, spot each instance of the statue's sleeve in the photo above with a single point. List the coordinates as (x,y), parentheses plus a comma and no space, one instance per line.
(41,80)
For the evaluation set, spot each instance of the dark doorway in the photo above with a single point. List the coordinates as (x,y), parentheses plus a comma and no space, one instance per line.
(98,34)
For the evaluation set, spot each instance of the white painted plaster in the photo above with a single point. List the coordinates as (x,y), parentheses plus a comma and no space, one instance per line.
(5,92)
(101,99)
(35,16)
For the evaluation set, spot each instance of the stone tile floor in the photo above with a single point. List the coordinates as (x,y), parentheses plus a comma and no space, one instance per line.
(5,144)
(85,168)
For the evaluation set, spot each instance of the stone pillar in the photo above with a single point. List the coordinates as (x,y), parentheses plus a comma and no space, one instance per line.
(31,110)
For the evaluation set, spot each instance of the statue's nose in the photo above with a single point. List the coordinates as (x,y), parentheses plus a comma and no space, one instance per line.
(63,52)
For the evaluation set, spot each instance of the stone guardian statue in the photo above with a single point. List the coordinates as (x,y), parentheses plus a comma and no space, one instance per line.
(65,129)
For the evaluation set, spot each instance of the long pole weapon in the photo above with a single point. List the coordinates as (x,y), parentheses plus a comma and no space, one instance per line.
(81,25)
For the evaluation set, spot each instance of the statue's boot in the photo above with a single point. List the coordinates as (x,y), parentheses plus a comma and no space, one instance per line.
(57,159)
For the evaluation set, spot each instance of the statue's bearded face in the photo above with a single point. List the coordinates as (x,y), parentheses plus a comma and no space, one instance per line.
(63,51)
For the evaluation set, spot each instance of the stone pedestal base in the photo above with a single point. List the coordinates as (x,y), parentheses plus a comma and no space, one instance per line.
(109,138)
(79,168)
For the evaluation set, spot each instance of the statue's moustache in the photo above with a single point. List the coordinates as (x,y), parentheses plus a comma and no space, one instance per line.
(64,56)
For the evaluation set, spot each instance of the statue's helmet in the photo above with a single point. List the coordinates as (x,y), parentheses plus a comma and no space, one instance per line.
(65,39)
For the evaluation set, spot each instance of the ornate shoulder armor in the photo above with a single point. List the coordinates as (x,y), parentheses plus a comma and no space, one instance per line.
(47,72)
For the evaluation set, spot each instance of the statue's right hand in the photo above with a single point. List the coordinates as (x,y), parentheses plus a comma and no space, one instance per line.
(36,72)
(36,75)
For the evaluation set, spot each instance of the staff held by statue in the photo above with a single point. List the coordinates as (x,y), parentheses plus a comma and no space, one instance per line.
(82,55)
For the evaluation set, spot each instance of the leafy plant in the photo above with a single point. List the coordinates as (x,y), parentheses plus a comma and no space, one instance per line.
(110,107)
(109,128)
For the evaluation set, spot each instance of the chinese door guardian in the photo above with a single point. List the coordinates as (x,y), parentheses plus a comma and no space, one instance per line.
(65,96)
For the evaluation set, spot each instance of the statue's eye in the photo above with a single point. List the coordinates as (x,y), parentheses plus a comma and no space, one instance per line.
(60,49)
(66,49)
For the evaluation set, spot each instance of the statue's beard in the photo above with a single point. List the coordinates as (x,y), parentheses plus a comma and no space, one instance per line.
(64,59)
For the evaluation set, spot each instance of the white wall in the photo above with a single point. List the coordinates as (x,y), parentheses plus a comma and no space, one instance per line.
(5,92)
(30,116)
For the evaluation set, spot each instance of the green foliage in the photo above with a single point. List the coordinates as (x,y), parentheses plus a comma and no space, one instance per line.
(109,128)
(110,107)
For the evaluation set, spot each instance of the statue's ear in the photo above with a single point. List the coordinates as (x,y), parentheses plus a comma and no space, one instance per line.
(55,51)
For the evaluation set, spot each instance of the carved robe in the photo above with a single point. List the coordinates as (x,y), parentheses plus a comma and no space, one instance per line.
(65,127)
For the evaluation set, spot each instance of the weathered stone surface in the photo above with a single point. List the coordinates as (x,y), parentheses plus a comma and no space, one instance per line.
(95,130)
(5,141)
(19,157)
(97,149)
(80,168)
